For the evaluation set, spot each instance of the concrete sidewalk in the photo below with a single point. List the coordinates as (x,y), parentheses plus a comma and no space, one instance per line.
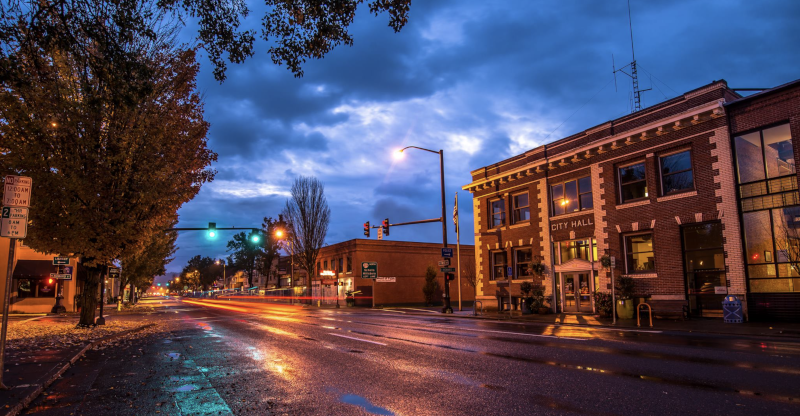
(31,369)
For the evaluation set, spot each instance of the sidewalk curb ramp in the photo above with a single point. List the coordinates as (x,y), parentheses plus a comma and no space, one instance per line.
(57,372)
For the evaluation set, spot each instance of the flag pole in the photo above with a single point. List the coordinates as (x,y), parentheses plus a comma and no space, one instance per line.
(458,250)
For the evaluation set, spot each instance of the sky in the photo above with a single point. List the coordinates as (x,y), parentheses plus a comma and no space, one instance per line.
(481,80)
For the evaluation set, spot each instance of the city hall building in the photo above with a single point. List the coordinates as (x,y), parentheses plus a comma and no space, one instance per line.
(664,191)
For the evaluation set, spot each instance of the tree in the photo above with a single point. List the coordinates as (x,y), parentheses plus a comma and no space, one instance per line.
(307,217)
(272,245)
(430,286)
(246,254)
(106,121)
(139,268)
(199,272)
(296,30)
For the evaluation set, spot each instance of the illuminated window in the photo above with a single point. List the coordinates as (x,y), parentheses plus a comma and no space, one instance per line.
(639,255)
(571,196)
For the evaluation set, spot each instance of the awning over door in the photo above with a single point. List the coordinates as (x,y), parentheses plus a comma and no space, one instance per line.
(33,269)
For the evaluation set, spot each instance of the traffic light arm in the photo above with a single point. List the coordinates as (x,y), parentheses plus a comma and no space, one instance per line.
(409,223)
(206,229)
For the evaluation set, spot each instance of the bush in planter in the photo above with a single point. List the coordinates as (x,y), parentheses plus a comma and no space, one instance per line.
(537,294)
(625,302)
(602,301)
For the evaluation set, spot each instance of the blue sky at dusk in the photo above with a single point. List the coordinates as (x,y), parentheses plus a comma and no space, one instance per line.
(482,80)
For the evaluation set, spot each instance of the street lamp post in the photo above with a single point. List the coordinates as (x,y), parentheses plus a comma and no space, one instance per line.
(224,279)
(447,308)
(279,234)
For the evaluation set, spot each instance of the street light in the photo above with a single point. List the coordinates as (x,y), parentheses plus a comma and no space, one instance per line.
(280,235)
(224,280)
(399,154)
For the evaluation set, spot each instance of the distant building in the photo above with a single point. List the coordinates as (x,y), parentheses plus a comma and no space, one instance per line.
(401,271)
(664,191)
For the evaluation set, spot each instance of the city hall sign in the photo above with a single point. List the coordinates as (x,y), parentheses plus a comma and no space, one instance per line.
(571,224)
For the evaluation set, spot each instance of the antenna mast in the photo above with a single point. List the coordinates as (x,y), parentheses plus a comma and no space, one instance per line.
(637,97)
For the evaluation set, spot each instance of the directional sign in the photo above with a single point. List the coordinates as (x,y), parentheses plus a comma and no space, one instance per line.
(380,233)
(369,270)
(113,272)
(447,252)
(58,261)
(501,283)
(386,280)
(444,263)
(448,269)
(14,222)
(17,191)
(61,276)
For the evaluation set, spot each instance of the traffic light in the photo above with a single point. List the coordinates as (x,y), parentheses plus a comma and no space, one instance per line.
(158,284)
(366,229)
(385,226)
(212,230)
(50,281)
(449,276)
(255,237)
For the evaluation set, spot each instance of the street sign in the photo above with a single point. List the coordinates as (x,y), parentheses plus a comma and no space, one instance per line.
(448,269)
(501,283)
(613,262)
(17,191)
(281,270)
(14,222)
(369,270)
(509,272)
(380,233)
(113,272)
(444,263)
(386,280)
(65,269)
(447,252)
(59,261)
(61,276)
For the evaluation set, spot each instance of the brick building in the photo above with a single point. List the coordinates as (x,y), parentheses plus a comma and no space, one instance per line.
(765,129)
(404,261)
(655,189)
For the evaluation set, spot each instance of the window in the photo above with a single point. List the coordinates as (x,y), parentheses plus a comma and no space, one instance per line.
(35,288)
(572,196)
(523,259)
(349,264)
(772,241)
(341,264)
(318,269)
(522,210)
(639,253)
(632,183)
(325,265)
(676,173)
(498,213)
(765,154)
(499,265)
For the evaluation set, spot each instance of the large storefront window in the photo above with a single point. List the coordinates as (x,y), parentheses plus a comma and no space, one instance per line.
(772,240)
(36,288)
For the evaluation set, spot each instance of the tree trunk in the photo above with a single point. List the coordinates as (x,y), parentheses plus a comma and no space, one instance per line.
(89,298)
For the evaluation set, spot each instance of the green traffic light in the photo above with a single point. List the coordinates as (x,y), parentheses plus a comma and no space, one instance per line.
(212,234)
(255,238)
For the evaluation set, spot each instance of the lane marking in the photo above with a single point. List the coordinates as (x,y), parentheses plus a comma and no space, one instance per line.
(357,339)
(33,319)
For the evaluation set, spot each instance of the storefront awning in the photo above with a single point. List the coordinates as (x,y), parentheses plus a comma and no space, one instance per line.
(33,269)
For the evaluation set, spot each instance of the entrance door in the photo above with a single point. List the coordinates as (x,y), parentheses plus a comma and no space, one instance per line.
(576,288)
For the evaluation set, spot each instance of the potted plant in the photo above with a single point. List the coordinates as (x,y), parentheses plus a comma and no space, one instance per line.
(527,300)
(605,261)
(602,301)
(625,300)
(537,294)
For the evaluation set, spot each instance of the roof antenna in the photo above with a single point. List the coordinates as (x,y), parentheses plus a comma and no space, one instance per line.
(637,98)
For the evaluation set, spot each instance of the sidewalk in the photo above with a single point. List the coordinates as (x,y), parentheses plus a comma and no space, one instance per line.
(39,351)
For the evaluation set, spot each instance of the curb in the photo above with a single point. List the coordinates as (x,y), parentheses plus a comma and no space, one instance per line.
(25,401)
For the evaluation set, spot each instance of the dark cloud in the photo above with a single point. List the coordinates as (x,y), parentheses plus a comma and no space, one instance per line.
(482,80)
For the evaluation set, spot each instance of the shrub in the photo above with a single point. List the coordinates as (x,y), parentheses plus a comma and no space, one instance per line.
(431,285)
(602,301)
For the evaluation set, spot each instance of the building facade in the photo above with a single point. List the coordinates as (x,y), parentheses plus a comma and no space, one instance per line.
(654,190)
(765,128)
(401,272)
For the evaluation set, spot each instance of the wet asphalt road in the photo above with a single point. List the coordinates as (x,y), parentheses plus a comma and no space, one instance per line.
(226,357)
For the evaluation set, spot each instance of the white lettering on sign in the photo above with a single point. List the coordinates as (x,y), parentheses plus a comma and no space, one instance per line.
(571,224)
(17,191)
